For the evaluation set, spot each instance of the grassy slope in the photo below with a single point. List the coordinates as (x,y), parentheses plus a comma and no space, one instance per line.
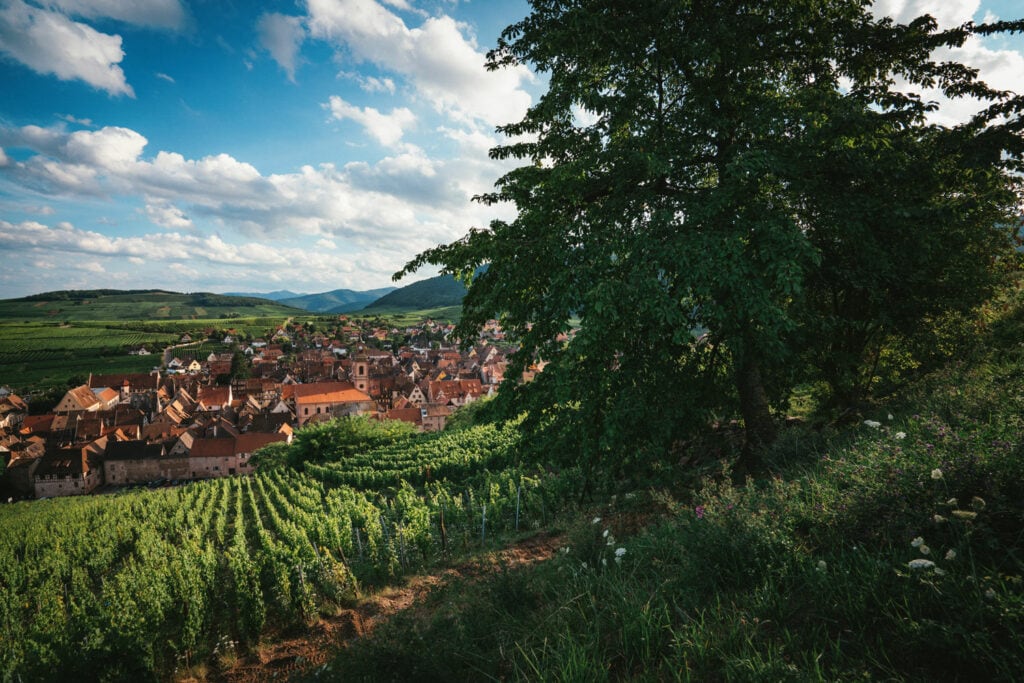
(807,575)
(135,305)
(436,292)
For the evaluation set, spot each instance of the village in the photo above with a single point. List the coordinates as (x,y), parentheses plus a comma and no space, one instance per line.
(198,418)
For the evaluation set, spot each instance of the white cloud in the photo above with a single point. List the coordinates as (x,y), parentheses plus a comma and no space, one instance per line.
(373,84)
(50,43)
(282,37)
(387,129)
(3,158)
(1001,69)
(443,65)
(164,77)
(91,267)
(167,14)
(326,244)
(166,215)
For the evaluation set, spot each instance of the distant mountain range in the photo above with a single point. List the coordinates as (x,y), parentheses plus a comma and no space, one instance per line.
(337,301)
(273,296)
(436,292)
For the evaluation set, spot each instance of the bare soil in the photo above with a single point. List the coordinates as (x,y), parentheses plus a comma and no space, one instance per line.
(287,655)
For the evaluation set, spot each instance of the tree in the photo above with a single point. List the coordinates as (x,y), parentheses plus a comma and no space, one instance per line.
(684,192)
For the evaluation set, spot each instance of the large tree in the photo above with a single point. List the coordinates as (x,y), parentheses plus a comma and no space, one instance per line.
(725,193)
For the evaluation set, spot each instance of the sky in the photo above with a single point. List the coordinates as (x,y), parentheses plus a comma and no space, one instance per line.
(309,145)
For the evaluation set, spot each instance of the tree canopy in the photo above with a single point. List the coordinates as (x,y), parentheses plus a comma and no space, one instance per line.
(730,197)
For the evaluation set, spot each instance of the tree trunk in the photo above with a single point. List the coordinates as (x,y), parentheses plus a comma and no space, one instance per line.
(759,427)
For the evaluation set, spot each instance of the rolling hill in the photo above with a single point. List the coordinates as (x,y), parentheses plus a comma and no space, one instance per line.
(436,292)
(143,304)
(337,301)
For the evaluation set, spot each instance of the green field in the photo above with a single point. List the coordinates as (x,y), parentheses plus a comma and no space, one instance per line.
(138,305)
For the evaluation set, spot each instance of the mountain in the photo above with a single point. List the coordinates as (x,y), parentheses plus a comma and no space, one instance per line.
(436,292)
(338,301)
(149,304)
(273,296)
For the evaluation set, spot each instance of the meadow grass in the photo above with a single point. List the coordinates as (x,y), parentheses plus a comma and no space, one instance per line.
(889,550)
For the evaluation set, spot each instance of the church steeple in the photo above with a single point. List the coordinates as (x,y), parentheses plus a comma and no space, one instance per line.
(360,369)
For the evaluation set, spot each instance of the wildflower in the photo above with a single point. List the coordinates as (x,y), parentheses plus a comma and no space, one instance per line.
(921,564)
(938,519)
(596,520)
(951,501)
(605,534)
(619,552)
(925,550)
(936,474)
(822,565)
(874,424)
(964,514)
(604,562)
(917,542)
(890,417)
(939,572)
(978,503)
(990,594)
(700,511)
(900,435)
(950,554)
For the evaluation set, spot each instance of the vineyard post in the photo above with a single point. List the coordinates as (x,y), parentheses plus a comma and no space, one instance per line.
(483,524)
(519,490)
(444,535)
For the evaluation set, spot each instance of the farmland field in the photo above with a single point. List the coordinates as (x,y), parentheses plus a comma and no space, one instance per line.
(137,584)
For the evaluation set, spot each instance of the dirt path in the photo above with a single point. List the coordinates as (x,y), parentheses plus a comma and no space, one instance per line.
(311,649)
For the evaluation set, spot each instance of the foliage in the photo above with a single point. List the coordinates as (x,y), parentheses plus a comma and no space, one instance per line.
(703,184)
(345,436)
(891,550)
(136,585)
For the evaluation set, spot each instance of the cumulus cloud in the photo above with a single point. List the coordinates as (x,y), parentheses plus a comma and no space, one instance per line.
(282,36)
(166,215)
(443,65)
(374,85)
(1001,69)
(387,129)
(165,14)
(50,43)
(3,158)
(397,206)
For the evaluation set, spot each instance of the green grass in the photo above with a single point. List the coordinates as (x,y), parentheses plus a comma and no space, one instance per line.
(810,574)
(403,317)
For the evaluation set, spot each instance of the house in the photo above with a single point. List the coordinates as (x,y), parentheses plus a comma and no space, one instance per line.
(69,471)
(433,416)
(136,462)
(78,400)
(325,400)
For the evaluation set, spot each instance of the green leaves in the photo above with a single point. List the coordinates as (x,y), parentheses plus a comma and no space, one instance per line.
(724,182)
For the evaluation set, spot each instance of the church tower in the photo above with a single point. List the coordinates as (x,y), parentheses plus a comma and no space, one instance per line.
(360,370)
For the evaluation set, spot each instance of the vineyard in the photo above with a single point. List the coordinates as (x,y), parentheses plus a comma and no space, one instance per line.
(141,583)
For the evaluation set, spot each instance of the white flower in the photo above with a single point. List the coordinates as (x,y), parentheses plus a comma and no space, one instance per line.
(951,501)
(890,417)
(900,435)
(822,565)
(874,424)
(925,550)
(936,474)
(990,594)
(964,514)
(978,503)
(938,519)
(917,542)
(605,534)
(604,562)
(939,572)
(950,554)
(596,520)
(921,564)
(619,552)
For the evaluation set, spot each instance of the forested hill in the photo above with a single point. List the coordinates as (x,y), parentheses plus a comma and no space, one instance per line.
(436,292)
(337,301)
(112,304)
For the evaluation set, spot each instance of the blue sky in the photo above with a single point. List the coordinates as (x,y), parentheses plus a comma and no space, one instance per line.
(231,145)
